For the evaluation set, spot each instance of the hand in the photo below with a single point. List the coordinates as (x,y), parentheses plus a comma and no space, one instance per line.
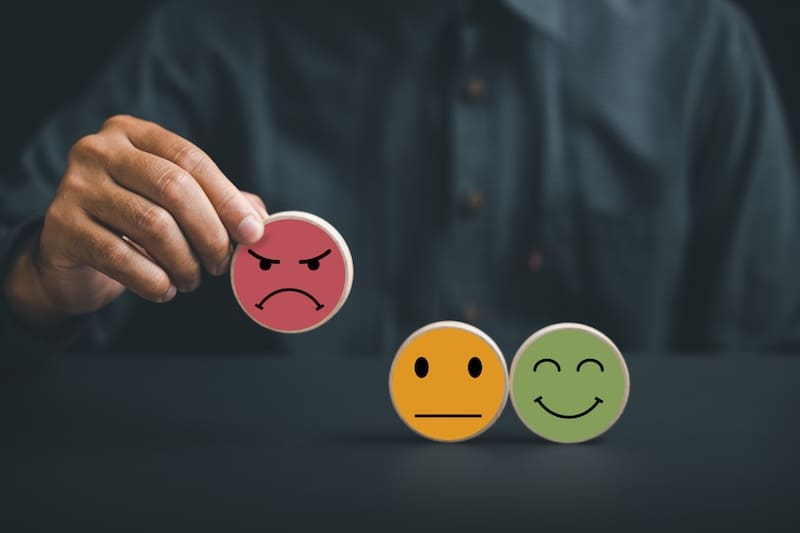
(139,208)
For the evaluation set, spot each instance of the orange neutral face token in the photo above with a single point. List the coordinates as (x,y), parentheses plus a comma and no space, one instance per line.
(449,381)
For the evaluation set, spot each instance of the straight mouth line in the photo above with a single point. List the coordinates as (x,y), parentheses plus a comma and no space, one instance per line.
(445,415)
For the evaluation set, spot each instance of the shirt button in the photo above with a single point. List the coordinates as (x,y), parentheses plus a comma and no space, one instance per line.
(475,89)
(535,261)
(473,201)
(469,312)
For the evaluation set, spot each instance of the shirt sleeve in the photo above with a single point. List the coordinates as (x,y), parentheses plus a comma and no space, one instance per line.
(157,76)
(743,291)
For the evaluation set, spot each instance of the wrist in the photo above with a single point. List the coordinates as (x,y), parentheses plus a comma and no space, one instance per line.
(25,293)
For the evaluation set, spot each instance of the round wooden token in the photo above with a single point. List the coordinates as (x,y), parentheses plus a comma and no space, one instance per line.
(569,383)
(448,381)
(296,277)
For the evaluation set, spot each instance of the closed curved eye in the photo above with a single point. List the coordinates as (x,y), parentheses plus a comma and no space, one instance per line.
(313,263)
(591,360)
(546,360)
(264,262)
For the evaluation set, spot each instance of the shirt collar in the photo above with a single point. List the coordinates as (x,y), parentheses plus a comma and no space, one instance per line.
(547,15)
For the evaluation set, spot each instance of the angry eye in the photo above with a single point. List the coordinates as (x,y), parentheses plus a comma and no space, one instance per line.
(313,263)
(264,263)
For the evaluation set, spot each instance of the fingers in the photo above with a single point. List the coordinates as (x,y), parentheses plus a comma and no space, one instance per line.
(237,214)
(176,191)
(152,228)
(106,252)
(142,208)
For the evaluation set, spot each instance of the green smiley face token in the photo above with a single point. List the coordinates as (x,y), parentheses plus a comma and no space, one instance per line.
(569,383)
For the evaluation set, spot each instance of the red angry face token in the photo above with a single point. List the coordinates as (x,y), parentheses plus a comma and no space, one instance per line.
(296,277)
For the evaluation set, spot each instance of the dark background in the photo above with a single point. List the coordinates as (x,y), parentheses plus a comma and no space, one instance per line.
(207,441)
(51,51)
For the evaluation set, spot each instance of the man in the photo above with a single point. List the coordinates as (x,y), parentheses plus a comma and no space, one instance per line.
(510,164)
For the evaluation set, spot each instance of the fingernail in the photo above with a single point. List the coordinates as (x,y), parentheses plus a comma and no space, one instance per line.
(250,229)
(170,294)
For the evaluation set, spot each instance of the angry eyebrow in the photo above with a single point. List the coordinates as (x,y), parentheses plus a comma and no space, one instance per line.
(317,258)
(262,258)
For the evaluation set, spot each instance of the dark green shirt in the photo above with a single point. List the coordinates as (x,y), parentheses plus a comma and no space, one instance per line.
(622,164)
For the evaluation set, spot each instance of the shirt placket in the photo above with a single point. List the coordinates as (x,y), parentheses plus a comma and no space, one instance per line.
(464,262)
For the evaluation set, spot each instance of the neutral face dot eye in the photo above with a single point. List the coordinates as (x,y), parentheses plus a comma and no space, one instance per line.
(313,264)
(474,367)
(421,367)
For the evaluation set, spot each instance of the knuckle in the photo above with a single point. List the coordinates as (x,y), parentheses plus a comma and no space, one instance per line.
(117,122)
(57,214)
(190,158)
(74,185)
(66,207)
(229,202)
(88,147)
(172,184)
(113,255)
(154,219)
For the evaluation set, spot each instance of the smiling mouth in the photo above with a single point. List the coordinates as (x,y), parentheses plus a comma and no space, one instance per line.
(597,401)
(260,304)
(447,415)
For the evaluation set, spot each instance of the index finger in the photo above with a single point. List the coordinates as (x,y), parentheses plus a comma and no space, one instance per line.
(236,213)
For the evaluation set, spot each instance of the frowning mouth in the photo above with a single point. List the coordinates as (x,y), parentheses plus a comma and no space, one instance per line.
(260,304)
(597,401)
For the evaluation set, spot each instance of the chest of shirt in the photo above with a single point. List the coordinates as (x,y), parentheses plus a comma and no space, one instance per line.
(506,187)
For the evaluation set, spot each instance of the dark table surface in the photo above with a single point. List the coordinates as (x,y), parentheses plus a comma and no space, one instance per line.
(235,443)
